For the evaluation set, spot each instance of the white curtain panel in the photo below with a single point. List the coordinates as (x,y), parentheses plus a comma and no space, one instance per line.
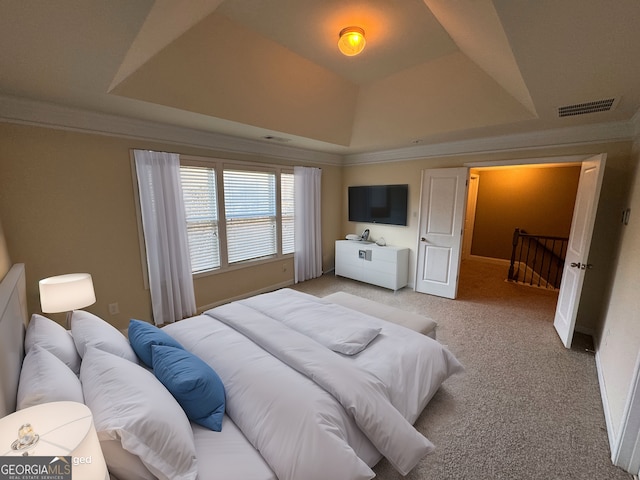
(165,236)
(307,223)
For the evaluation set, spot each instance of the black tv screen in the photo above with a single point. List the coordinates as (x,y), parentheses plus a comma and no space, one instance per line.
(378,204)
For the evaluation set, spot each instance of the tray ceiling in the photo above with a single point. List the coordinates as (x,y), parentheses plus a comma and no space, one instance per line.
(432,71)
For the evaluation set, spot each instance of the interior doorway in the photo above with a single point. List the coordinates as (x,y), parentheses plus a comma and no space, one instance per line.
(535,198)
(539,196)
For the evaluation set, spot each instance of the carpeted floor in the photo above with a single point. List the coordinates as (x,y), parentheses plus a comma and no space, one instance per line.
(526,408)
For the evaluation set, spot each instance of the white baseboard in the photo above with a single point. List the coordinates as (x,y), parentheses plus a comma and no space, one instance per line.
(625,451)
(613,441)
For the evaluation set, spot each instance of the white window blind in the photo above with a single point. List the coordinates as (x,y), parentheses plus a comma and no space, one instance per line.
(201,208)
(250,211)
(286,202)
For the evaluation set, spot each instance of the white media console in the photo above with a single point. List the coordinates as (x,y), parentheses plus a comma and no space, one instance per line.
(367,262)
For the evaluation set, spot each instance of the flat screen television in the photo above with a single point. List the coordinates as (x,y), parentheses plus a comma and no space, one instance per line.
(378,204)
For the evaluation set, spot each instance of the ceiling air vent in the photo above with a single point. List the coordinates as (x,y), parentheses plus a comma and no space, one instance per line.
(587,107)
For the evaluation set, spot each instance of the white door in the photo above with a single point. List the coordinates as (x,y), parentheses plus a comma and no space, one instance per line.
(576,261)
(442,204)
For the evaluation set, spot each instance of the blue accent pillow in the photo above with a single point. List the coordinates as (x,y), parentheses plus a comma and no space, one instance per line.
(143,335)
(194,384)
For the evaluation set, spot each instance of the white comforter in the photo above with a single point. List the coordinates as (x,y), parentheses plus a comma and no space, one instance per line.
(300,430)
(360,393)
(312,413)
(411,365)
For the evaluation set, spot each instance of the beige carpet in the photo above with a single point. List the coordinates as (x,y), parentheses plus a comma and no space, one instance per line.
(525,408)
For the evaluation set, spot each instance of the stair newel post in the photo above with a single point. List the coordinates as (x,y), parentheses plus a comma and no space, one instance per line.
(516,238)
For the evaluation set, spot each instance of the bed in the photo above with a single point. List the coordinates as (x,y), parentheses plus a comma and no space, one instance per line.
(311,389)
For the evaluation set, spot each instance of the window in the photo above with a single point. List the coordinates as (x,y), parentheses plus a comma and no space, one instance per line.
(236,214)
(286,200)
(201,208)
(250,213)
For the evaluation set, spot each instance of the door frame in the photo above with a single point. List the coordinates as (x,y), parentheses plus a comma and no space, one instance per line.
(470,214)
(542,161)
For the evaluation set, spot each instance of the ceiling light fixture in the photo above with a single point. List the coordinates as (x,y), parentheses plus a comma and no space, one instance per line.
(351,41)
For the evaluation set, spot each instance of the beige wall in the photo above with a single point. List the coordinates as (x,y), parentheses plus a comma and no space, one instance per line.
(5,260)
(606,230)
(67,205)
(619,334)
(537,200)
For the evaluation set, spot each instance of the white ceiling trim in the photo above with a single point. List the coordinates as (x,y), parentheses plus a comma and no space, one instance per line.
(32,112)
(582,135)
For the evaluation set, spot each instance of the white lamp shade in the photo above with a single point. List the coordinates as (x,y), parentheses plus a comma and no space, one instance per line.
(64,429)
(65,293)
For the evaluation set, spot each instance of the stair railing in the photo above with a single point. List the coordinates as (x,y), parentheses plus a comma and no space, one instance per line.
(537,260)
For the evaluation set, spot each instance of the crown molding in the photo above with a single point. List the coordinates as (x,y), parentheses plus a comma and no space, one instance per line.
(582,135)
(43,114)
(32,112)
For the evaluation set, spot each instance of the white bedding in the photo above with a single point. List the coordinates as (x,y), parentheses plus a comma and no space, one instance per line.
(300,428)
(411,365)
(361,394)
(222,455)
(232,458)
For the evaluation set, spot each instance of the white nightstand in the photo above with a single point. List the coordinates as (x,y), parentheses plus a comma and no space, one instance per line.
(64,429)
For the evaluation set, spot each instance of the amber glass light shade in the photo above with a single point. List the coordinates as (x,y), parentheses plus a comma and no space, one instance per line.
(351,41)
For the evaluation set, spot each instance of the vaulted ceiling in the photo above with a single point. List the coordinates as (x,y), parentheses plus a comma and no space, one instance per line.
(432,71)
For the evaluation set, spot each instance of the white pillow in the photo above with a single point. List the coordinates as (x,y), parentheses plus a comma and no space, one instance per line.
(45,378)
(90,330)
(52,337)
(130,405)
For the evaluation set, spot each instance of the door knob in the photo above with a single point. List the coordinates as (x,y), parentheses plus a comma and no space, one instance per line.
(582,266)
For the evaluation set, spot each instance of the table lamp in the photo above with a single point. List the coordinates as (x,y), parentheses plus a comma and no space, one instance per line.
(66,293)
(57,436)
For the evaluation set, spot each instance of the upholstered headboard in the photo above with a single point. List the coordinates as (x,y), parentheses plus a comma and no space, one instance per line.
(13,320)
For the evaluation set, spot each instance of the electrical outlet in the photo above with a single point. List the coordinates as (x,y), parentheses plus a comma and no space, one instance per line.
(114,309)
